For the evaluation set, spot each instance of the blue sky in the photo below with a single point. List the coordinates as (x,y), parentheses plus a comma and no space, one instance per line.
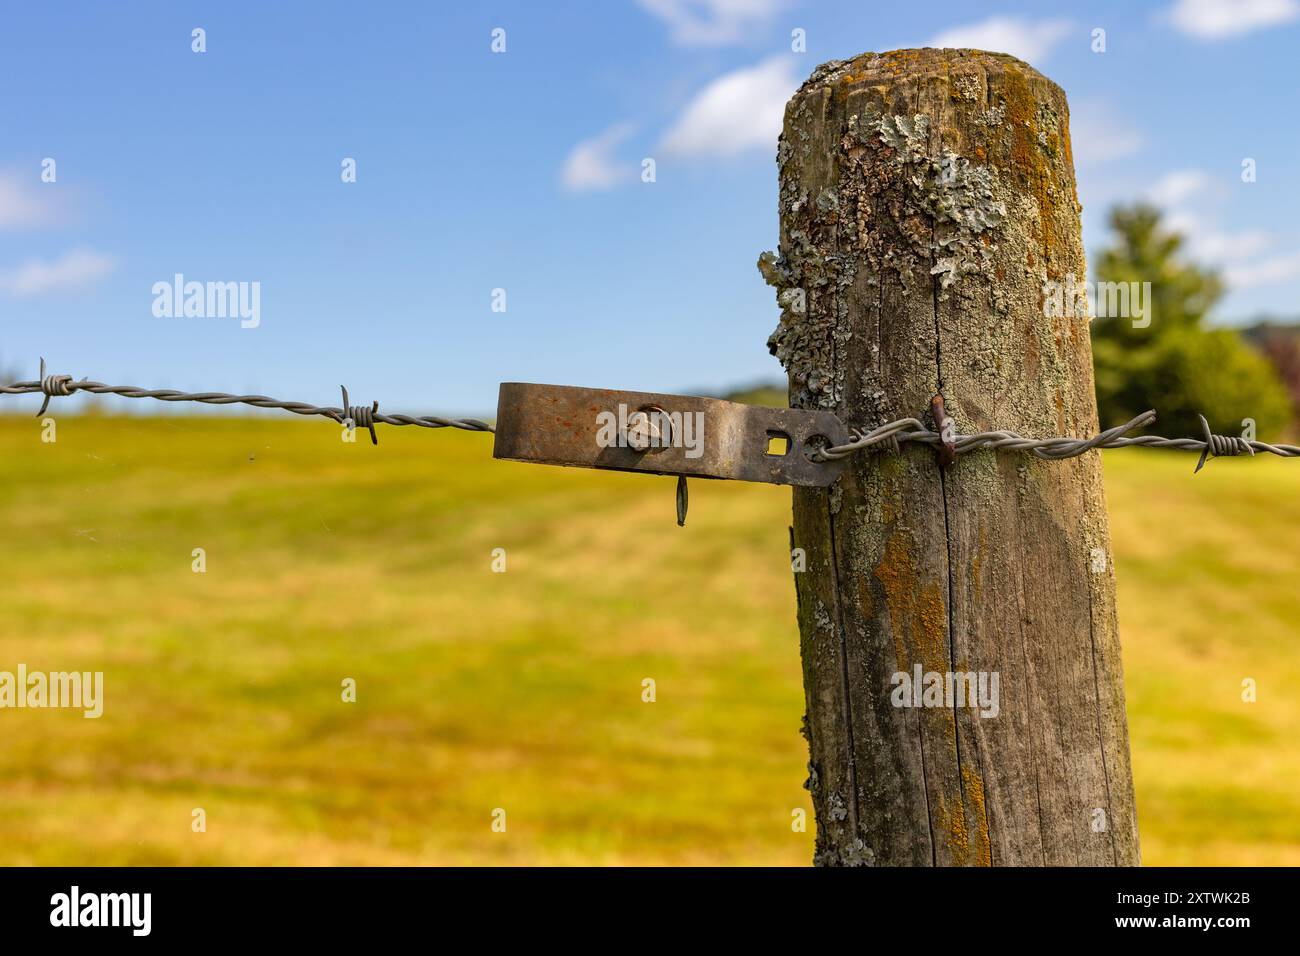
(521,171)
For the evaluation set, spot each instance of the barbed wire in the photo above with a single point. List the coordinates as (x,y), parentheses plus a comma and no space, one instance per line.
(360,416)
(891,435)
(904,430)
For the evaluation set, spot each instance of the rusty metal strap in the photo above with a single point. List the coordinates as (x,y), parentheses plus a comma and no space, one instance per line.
(665,434)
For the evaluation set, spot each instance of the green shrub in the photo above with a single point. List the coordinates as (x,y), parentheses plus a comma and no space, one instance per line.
(1183,373)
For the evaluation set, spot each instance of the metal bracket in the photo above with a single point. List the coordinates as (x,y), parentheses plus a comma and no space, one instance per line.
(677,435)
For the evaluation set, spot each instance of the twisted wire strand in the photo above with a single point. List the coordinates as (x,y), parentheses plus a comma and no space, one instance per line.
(1054,449)
(360,416)
(891,435)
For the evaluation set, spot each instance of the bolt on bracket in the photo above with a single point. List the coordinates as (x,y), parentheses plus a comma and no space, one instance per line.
(657,434)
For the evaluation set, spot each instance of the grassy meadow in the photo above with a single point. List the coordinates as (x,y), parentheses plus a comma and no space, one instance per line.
(523,690)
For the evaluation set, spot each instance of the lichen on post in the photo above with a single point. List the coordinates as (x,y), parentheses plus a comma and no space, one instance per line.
(926,198)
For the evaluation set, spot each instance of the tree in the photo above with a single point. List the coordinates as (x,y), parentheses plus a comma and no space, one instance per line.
(1176,365)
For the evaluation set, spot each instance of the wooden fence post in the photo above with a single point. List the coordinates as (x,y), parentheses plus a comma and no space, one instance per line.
(926,199)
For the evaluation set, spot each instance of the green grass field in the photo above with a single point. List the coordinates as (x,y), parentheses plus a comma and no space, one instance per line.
(523,690)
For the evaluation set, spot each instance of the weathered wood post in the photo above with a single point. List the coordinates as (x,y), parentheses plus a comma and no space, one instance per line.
(926,198)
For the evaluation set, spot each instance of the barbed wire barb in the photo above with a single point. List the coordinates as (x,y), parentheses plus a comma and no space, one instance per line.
(358,416)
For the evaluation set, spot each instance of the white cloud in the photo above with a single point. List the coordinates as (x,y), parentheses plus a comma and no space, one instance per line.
(1275,269)
(1216,19)
(1180,220)
(1099,134)
(1241,255)
(1027,39)
(1176,187)
(1206,241)
(26,202)
(74,269)
(590,164)
(1229,246)
(712,22)
(738,111)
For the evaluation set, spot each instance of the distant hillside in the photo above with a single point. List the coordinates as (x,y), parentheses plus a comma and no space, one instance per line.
(1265,330)
(763,393)
(1280,343)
